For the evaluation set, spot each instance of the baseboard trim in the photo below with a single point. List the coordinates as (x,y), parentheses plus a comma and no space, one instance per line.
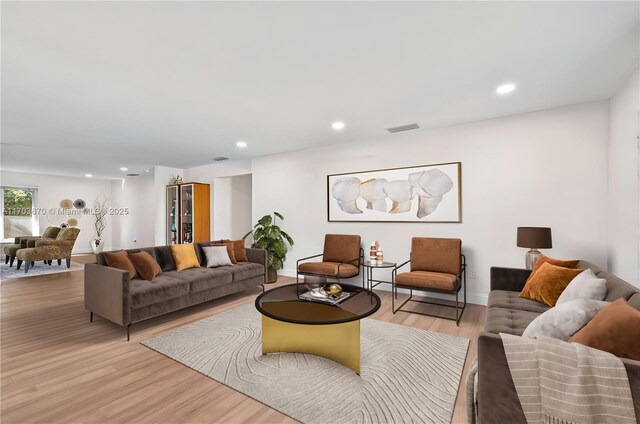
(474,298)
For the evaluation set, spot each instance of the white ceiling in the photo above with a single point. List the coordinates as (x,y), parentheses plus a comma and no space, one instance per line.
(93,86)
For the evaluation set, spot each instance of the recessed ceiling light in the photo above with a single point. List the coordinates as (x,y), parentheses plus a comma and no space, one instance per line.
(338,125)
(124,168)
(241,144)
(505,88)
(88,175)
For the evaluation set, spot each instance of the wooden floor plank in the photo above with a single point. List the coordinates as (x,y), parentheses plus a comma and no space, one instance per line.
(58,367)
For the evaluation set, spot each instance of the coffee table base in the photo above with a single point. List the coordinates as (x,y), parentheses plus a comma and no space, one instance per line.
(338,342)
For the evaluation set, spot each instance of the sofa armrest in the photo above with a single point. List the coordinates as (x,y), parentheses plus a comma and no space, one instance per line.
(106,293)
(498,400)
(509,279)
(258,256)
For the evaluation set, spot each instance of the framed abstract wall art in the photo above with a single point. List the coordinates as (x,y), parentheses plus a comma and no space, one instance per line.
(427,193)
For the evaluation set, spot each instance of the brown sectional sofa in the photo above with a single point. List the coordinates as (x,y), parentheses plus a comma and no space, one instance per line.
(507,313)
(109,293)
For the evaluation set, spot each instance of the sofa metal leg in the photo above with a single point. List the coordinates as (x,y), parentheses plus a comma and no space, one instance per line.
(91,317)
(27,264)
(19,263)
(68,263)
(128,333)
(11,261)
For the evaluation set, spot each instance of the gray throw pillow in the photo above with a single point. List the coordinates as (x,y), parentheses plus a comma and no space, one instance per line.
(564,320)
(584,286)
(216,256)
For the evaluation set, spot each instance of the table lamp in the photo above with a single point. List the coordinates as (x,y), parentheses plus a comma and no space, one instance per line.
(534,238)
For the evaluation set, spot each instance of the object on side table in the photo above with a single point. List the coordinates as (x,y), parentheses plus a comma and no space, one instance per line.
(534,238)
(437,265)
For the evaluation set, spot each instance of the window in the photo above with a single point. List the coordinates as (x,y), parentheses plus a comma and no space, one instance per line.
(18,213)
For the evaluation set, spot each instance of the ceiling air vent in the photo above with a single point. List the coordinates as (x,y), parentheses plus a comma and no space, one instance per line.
(220,158)
(133,175)
(402,128)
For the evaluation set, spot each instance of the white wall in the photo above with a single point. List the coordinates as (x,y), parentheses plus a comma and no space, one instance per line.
(136,227)
(231,207)
(52,189)
(623,200)
(546,168)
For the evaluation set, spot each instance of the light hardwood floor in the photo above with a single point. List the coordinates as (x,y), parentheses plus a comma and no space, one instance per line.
(58,367)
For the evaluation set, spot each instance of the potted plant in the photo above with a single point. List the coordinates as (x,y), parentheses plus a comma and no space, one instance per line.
(267,235)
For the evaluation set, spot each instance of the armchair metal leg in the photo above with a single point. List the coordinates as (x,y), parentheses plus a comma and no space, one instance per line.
(11,261)
(6,259)
(19,264)
(27,264)
(68,263)
(59,262)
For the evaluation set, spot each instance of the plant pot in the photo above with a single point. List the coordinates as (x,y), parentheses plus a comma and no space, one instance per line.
(96,245)
(272,275)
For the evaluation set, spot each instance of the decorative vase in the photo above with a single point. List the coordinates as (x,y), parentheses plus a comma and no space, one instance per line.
(96,245)
(272,275)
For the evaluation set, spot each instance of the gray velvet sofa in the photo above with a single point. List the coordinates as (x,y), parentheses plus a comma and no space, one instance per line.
(109,293)
(507,313)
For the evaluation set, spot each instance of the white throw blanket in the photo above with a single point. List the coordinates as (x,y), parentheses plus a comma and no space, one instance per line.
(559,382)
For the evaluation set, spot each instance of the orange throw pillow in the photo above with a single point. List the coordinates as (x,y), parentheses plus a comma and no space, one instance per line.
(146,266)
(240,251)
(121,261)
(548,283)
(557,262)
(615,329)
(230,250)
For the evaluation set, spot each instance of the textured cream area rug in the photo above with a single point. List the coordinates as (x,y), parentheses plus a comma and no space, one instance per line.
(408,375)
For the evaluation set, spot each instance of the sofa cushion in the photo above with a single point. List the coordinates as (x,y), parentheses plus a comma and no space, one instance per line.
(428,280)
(165,258)
(634,301)
(243,270)
(510,321)
(510,300)
(163,287)
(329,269)
(230,251)
(203,279)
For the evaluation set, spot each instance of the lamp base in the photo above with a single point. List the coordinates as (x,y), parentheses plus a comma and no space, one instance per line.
(531,258)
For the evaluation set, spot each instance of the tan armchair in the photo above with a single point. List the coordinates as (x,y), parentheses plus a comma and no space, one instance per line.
(340,259)
(27,241)
(437,265)
(48,249)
